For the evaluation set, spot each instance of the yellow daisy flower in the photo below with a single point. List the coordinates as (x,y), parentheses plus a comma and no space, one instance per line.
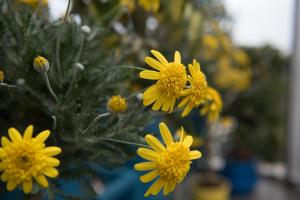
(213,105)
(167,164)
(117,104)
(196,94)
(171,79)
(26,158)
(150,5)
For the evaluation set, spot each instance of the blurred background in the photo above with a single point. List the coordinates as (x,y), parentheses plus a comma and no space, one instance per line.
(249,51)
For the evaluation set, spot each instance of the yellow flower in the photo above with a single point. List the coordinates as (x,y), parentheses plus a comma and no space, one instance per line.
(40,64)
(210,42)
(241,57)
(1,76)
(129,4)
(26,158)
(167,164)
(34,3)
(196,94)
(213,105)
(171,79)
(150,5)
(117,104)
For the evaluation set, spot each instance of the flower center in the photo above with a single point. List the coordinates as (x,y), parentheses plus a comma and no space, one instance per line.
(174,163)
(24,161)
(172,79)
(199,89)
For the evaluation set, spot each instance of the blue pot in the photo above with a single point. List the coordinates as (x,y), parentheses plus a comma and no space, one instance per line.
(242,175)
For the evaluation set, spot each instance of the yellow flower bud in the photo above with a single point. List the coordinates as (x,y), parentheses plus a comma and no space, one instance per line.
(41,64)
(1,76)
(117,104)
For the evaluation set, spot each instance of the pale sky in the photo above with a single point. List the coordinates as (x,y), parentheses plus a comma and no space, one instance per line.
(255,22)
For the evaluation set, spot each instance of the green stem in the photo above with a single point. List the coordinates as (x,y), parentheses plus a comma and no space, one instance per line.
(124,142)
(132,67)
(49,87)
(57,50)
(8,85)
(94,121)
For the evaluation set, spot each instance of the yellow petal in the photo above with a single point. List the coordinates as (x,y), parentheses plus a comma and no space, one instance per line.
(51,172)
(2,153)
(14,135)
(165,133)
(172,104)
(11,185)
(41,179)
(149,99)
(27,186)
(188,141)
(159,57)
(159,102)
(154,143)
(195,155)
(169,187)
(5,142)
(149,176)
(184,101)
(147,154)
(5,177)
(187,109)
(51,151)
(150,75)
(177,57)
(52,162)
(28,132)
(166,105)
(145,166)
(42,136)
(155,187)
(154,63)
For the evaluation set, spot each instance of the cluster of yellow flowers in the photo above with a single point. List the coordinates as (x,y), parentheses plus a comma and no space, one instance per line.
(173,82)
(233,78)
(148,5)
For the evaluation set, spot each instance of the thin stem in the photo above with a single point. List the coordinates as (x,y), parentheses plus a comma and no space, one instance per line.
(8,85)
(124,142)
(57,50)
(49,87)
(94,121)
(132,67)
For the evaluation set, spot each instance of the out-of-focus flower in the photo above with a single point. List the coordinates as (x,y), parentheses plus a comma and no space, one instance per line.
(1,76)
(196,94)
(213,105)
(241,57)
(225,42)
(171,79)
(35,3)
(235,79)
(167,164)
(129,4)
(40,64)
(117,104)
(86,29)
(150,5)
(210,46)
(26,158)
